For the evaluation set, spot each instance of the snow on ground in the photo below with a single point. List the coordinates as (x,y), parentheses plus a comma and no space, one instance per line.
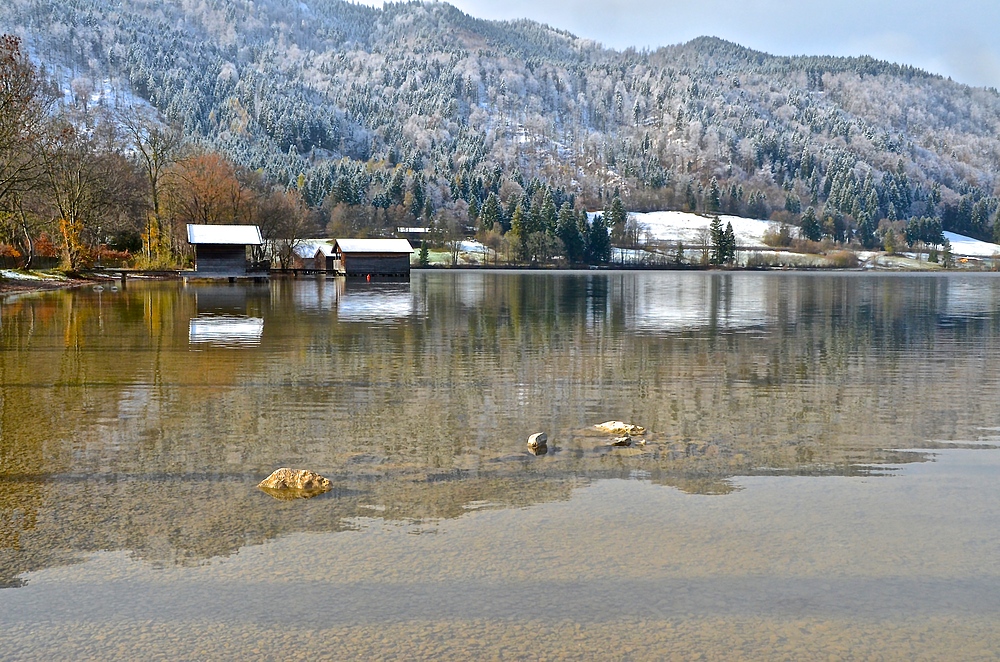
(10,274)
(472,247)
(673,226)
(970,247)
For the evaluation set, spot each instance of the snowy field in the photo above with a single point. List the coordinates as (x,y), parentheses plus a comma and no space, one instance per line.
(692,229)
(969,247)
(673,226)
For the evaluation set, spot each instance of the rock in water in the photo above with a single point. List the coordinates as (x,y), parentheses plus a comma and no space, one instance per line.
(618,427)
(621,441)
(291,483)
(536,443)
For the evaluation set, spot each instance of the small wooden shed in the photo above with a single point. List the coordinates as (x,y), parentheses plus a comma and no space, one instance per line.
(323,258)
(372,257)
(221,250)
(302,256)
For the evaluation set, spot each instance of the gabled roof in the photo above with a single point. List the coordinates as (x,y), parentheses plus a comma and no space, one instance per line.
(305,250)
(246,235)
(309,248)
(374,245)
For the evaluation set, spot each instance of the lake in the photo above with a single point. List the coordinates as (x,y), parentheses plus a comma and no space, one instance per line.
(818,478)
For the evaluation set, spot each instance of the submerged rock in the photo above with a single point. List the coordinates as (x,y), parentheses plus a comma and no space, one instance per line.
(618,427)
(537,443)
(288,483)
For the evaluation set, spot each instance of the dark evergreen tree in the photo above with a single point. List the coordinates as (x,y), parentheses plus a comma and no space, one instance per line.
(547,215)
(615,218)
(924,229)
(520,230)
(473,212)
(396,188)
(728,244)
(713,202)
(719,252)
(489,215)
(597,249)
(793,204)
(866,231)
(757,205)
(690,202)
(569,233)
(811,228)
(417,195)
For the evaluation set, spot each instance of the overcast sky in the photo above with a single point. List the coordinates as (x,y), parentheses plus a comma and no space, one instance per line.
(957,38)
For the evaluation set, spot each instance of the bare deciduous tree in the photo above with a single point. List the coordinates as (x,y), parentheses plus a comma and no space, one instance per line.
(23,111)
(156,147)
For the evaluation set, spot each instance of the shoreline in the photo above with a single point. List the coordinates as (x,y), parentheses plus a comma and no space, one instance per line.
(10,286)
(14,286)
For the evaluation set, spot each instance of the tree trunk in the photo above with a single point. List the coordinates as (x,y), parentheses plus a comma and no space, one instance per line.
(27,236)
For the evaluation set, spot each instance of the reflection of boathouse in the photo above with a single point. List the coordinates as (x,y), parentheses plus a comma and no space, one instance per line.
(372,257)
(221,250)
(228,315)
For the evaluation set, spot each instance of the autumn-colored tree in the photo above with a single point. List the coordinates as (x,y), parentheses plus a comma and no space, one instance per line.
(205,189)
(345,220)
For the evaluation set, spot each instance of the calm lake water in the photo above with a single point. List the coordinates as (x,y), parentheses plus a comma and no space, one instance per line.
(819,479)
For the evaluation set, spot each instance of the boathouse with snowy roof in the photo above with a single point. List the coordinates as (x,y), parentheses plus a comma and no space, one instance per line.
(372,257)
(221,250)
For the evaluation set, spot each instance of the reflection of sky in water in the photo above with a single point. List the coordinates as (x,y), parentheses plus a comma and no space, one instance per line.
(376,305)
(722,303)
(226,330)
(969,298)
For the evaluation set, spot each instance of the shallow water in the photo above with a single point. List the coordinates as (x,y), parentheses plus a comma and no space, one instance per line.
(818,478)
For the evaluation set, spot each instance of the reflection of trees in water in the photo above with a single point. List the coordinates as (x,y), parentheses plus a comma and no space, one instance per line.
(116,435)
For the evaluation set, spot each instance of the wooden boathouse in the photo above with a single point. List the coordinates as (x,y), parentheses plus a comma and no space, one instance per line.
(221,250)
(372,257)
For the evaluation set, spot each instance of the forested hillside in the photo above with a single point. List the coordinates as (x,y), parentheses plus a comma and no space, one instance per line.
(417,113)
